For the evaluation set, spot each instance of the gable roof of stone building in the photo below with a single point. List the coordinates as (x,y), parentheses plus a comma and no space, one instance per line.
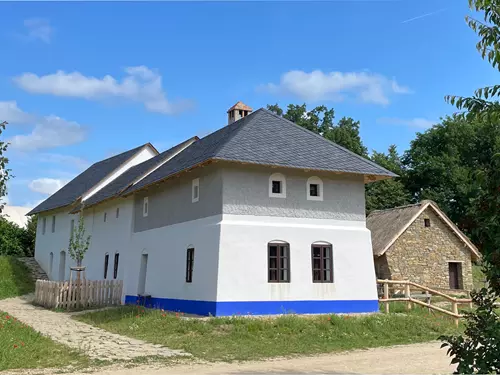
(82,183)
(387,226)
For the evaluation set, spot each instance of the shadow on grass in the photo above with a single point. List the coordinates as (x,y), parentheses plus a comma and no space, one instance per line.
(15,278)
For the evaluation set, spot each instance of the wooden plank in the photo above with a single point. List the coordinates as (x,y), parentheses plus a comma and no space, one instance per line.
(386,297)
(418,302)
(70,290)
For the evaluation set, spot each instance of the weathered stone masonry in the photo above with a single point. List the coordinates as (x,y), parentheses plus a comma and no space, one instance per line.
(422,254)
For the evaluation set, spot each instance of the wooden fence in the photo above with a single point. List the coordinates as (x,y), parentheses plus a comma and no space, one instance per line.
(78,294)
(410,299)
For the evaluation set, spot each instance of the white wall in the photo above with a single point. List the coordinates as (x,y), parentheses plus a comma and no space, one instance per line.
(243,263)
(166,270)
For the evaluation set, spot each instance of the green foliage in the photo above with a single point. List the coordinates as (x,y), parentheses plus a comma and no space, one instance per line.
(477,351)
(12,238)
(30,236)
(246,338)
(391,192)
(21,347)
(78,242)
(320,120)
(15,278)
(4,171)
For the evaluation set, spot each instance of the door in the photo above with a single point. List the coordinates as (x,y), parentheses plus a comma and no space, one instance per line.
(454,271)
(141,289)
(62,266)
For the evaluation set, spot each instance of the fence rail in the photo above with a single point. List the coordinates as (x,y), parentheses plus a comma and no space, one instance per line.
(78,294)
(455,302)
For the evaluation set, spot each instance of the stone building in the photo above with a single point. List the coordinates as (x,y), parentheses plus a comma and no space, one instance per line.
(421,244)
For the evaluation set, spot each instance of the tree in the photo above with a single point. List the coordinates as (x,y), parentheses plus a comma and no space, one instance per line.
(441,164)
(391,192)
(11,238)
(78,242)
(477,350)
(29,236)
(320,120)
(4,171)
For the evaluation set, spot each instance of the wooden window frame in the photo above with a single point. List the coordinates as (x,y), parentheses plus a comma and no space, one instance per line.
(321,268)
(106,265)
(115,266)
(278,269)
(189,264)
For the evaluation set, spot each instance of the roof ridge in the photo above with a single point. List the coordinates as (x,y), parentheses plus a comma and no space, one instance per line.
(373,164)
(123,152)
(396,208)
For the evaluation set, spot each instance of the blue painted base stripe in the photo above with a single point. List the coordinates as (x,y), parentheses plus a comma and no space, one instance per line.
(255,307)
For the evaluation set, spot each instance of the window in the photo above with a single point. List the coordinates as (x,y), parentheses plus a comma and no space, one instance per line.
(44,225)
(322,263)
(145,207)
(53,224)
(427,223)
(314,189)
(455,271)
(195,190)
(278,262)
(105,216)
(241,113)
(277,186)
(189,265)
(117,212)
(115,269)
(51,263)
(71,227)
(106,263)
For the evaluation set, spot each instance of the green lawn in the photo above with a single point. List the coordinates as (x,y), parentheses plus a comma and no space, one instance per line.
(240,338)
(15,278)
(22,347)
(478,276)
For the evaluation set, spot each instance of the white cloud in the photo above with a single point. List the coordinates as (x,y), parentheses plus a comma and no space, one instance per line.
(416,122)
(49,131)
(10,112)
(38,29)
(141,85)
(47,185)
(336,86)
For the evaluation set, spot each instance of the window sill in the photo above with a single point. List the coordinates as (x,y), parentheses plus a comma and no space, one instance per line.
(277,196)
(312,198)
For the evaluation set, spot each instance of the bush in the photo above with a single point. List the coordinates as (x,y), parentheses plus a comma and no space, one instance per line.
(17,241)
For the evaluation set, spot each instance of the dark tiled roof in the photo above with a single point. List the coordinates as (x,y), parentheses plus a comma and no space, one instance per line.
(128,177)
(74,189)
(265,138)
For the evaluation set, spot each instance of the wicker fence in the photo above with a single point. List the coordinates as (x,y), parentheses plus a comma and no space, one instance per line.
(78,294)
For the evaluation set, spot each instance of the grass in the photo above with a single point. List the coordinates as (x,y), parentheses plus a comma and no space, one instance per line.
(478,277)
(23,347)
(240,338)
(15,278)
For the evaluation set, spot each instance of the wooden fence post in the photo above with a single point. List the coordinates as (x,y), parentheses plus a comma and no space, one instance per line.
(455,311)
(408,295)
(386,297)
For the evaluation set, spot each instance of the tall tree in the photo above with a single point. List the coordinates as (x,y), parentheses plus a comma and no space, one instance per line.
(320,120)
(4,171)
(477,351)
(391,192)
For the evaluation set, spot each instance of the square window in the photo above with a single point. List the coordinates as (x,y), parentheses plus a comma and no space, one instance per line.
(427,223)
(314,190)
(276,187)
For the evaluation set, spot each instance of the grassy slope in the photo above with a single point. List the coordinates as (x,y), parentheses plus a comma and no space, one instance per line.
(20,345)
(244,338)
(15,278)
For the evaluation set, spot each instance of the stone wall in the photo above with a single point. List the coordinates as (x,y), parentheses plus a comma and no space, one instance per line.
(421,254)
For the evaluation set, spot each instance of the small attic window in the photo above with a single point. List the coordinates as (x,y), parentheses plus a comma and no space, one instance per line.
(241,113)
(427,223)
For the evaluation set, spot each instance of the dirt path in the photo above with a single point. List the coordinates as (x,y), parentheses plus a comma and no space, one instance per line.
(425,358)
(94,342)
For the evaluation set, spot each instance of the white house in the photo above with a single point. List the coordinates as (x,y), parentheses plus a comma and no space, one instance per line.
(261,217)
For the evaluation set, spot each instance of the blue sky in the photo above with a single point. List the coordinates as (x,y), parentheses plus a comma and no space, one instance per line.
(80,82)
